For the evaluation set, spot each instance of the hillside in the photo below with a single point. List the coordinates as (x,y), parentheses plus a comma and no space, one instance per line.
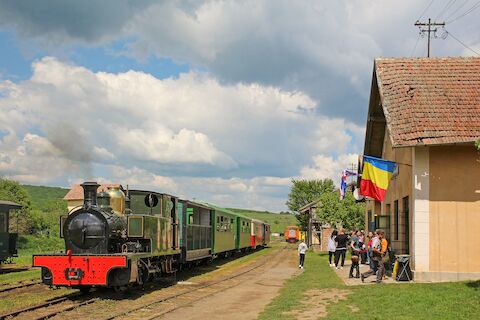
(278,221)
(44,197)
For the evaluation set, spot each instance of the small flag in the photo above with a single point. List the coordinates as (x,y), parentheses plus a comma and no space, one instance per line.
(376,176)
(343,185)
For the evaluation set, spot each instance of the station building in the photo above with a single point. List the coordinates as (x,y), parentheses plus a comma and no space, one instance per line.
(424,114)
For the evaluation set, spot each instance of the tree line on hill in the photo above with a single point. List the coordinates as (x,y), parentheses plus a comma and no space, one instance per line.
(39,218)
(347,212)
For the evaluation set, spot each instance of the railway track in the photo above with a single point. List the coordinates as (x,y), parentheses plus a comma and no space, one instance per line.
(172,302)
(20,285)
(49,308)
(149,310)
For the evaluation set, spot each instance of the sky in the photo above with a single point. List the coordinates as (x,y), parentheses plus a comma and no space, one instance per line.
(221,101)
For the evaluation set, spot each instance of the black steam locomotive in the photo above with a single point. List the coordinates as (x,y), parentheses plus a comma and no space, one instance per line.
(116,240)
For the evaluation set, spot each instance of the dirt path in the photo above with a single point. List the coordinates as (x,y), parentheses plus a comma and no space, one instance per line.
(248,299)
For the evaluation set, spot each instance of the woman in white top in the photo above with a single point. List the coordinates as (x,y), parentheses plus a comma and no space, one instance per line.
(332,247)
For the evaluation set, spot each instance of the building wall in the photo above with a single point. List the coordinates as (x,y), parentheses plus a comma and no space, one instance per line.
(400,187)
(454,211)
(74,203)
(420,209)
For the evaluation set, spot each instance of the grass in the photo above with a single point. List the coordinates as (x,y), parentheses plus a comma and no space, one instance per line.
(25,299)
(277,221)
(456,300)
(13,277)
(42,197)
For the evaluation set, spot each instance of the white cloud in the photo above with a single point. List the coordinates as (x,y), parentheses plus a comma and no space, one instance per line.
(324,167)
(191,135)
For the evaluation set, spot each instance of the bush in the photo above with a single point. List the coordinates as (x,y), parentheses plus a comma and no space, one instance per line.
(40,244)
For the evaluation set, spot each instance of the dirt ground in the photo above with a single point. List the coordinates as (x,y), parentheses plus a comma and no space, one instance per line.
(248,299)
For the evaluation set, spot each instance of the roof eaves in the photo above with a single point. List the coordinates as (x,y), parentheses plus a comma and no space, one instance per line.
(382,102)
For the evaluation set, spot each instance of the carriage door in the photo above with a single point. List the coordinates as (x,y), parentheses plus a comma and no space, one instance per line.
(173,215)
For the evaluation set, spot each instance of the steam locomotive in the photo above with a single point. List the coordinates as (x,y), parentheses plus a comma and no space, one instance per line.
(116,240)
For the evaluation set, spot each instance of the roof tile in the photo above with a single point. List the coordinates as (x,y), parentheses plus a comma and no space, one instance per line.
(430,100)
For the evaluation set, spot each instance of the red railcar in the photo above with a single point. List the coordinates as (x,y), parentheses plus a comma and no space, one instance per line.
(292,234)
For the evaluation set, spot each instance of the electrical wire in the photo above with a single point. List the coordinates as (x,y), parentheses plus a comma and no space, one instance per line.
(415,47)
(456,10)
(447,6)
(425,10)
(463,44)
(473,8)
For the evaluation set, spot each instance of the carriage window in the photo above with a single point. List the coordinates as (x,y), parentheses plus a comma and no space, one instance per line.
(221,218)
(3,222)
(218,219)
(231,220)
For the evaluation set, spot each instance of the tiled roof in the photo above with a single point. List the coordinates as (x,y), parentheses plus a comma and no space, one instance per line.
(76,193)
(430,100)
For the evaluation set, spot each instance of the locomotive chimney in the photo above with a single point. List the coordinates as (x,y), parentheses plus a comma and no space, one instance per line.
(90,193)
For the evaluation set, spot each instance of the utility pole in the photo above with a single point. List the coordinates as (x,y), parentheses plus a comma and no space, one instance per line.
(429,28)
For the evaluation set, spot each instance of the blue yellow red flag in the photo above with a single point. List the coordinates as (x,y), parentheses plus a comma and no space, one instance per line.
(376,176)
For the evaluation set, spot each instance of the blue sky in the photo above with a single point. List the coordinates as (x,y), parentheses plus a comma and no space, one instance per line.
(224,101)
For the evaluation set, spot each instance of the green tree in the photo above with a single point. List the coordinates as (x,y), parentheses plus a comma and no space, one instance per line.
(347,212)
(305,191)
(12,191)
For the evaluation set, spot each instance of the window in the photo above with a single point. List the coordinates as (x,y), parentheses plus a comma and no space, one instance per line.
(231,221)
(406,212)
(371,222)
(3,222)
(395,211)
(218,219)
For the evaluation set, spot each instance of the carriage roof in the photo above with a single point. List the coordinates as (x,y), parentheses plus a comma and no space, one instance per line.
(8,205)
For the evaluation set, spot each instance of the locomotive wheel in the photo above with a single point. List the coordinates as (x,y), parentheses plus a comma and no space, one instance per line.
(85,289)
(121,289)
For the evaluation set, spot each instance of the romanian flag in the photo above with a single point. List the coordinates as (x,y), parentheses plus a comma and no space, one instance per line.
(375,177)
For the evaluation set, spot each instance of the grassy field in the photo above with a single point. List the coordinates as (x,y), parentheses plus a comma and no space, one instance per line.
(277,221)
(319,292)
(44,197)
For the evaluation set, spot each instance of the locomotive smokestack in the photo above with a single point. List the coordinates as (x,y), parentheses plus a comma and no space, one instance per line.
(90,193)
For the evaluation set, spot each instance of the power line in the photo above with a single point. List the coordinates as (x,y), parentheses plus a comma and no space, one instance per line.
(425,10)
(415,47)
(463,44)
(456,10)
(473,8)
(447,6)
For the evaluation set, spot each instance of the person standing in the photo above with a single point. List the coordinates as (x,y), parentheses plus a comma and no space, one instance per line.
(354,246)
(383,252)
(369,250)
(302,249)
(341,247)
(376,249)
(331,247)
